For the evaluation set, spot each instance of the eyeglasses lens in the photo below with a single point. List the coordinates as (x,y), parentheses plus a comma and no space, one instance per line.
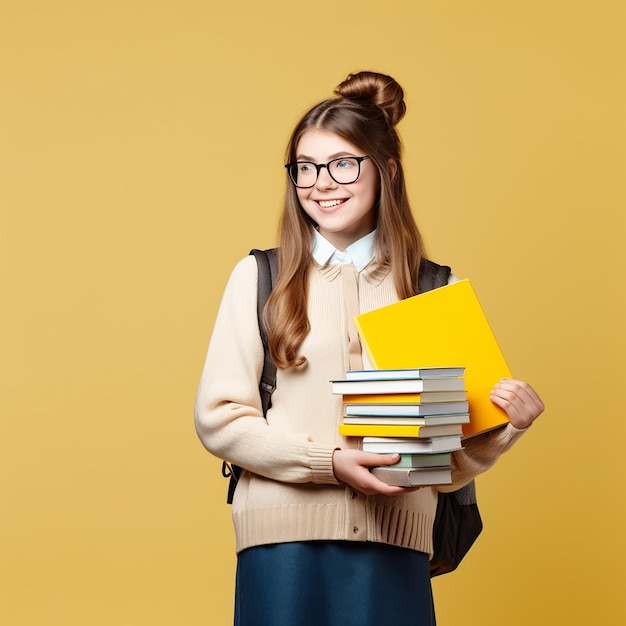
(344,171)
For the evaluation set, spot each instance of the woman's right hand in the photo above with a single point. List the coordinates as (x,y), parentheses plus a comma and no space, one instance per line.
(352,467)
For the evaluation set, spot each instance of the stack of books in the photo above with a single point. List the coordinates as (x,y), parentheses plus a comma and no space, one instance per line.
(436,328)
(418,413)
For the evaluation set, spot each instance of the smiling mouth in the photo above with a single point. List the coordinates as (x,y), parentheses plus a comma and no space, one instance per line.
(329,204)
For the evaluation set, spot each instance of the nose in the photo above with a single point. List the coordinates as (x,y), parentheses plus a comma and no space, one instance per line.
(324,179)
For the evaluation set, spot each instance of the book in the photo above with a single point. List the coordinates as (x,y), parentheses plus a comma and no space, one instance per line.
(413,385)
(406,398)
(443,430)
(403,374)
(379,430)
(405,410)
(436,328)
(411,445)
(424,420)
(413,477)
(438,459)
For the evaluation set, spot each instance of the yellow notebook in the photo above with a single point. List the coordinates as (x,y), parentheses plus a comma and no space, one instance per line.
(440,328)
(380,430)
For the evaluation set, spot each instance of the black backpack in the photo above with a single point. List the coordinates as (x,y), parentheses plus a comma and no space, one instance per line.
(457,521)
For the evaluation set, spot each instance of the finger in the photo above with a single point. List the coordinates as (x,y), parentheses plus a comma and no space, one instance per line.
(376,486)
(506,401)
(518,400)
(526,394)
(519,387)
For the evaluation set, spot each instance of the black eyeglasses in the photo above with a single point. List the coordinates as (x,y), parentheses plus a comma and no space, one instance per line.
(344,171)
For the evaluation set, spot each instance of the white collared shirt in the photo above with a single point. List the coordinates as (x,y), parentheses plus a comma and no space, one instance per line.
(360,253)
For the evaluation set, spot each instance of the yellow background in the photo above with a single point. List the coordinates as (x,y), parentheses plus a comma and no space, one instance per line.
(141,151)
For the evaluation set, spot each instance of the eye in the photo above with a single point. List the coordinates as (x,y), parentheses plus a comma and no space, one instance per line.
(305,168)
(345,164)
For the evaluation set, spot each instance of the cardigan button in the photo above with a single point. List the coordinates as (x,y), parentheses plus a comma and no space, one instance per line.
(355,530)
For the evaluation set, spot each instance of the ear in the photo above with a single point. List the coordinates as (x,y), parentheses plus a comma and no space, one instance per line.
(393,168)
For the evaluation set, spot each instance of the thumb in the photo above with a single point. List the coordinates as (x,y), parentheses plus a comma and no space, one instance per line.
(384,459)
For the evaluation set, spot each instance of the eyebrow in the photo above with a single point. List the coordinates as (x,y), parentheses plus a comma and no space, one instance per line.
(304,157)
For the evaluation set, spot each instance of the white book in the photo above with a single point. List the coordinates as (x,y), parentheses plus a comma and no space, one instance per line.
(409,385)
(412,410)
(403,374)
(413,477)
(393,420)
(411,445)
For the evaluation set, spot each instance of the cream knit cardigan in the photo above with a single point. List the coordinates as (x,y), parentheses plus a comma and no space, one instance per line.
(289,492)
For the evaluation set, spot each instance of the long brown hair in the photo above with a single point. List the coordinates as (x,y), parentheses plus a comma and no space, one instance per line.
(364,112)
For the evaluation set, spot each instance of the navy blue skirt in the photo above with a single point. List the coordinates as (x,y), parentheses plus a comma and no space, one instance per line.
(333,583)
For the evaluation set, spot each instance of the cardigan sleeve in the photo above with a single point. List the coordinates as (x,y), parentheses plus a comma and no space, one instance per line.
(228,414)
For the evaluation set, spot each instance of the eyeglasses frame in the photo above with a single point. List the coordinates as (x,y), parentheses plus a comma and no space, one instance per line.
(319,166)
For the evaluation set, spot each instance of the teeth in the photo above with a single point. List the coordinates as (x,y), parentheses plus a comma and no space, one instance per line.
(327,204)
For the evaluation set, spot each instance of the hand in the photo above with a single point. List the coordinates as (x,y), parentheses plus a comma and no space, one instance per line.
(352,467)
(519,400)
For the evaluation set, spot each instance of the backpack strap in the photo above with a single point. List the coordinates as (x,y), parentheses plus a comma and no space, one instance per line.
(267,262)
(457,520)
(432,276)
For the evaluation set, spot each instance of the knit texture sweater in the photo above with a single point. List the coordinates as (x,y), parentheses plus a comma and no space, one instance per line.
(289,491)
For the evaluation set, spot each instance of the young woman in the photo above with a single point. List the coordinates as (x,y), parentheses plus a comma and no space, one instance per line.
(320,540)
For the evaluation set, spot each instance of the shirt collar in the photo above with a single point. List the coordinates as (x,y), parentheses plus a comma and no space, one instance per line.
(361,252)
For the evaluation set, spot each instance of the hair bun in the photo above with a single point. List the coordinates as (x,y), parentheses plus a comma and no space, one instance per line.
(379,89)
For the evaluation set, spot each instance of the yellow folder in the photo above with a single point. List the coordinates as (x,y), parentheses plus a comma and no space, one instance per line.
(441,328)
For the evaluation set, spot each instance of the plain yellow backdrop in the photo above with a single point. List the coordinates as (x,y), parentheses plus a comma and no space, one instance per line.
(141,152)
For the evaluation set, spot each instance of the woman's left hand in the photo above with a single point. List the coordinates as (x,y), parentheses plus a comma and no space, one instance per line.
(519,400)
